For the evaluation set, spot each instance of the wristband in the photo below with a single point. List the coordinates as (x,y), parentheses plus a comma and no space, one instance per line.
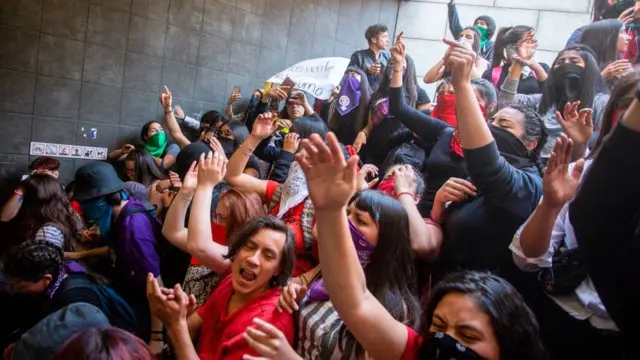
(168,111)
(18,192)
(405,193)
(431,222)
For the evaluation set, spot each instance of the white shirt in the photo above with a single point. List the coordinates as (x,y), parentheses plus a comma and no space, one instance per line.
(584,303)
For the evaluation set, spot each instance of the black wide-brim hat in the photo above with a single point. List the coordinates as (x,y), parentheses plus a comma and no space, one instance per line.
(95,180)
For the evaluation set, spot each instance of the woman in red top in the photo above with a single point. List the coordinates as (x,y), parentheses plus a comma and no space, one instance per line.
(288,201)
(261,260)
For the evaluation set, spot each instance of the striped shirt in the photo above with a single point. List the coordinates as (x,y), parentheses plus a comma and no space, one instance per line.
(51,234)
(319,333)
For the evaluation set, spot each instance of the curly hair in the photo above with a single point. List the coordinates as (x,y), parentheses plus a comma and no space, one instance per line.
(32,260)
(45,202)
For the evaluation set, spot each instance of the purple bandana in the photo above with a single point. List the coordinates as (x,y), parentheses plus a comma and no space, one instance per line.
(380,111)
(70,267)
(364,249)
(349,97)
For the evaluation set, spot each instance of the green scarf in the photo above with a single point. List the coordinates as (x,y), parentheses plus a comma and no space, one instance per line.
(483,35)
(156,144)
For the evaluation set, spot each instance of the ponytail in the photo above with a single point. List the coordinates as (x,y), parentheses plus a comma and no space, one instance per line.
(499,46)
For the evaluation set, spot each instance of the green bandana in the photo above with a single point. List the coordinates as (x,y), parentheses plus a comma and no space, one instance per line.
(156,143)
(483,35)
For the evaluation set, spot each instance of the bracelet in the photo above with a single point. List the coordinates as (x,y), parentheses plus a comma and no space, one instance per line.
(168,111)
(18,192)
(304,280)
(404,67)
(429,221)
(186,198)
(405,193)
(365,132)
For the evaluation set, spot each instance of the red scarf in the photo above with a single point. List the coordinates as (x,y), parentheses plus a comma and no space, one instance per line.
(445,109)
(455,139)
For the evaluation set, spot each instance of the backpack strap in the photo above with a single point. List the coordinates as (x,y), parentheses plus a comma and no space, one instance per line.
(495,75)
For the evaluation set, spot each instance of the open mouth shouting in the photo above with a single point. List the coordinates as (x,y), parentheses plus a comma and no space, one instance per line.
(247,275)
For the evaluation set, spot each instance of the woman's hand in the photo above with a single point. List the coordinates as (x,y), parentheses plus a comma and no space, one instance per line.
(283,124)
(577,125)
(233,98)
(616,69)
(211,170)
(291,143)
(190,181)
(174,179)
(290,296)
(405,180)
(367,170)
(216,147)
(264,126)
(163,185)
(170,307)
(361,139)
(166,99)
(331,180)
(269,342)
(526,48)
(277,92)
(455,190)
(127,149)
(461,61)
(178,112)
(560,186)
(399,52)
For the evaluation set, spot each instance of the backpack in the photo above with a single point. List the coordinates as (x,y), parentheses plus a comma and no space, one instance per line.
(170,271)
(496,72)
(112,305)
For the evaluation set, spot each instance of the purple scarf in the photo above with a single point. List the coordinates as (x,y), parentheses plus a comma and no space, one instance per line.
(380,111)
(70,267)
(349,97)
(317,292)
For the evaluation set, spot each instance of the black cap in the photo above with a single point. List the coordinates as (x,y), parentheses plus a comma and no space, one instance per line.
(95,180)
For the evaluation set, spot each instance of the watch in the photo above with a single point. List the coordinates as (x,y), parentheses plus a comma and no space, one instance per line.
(168,111)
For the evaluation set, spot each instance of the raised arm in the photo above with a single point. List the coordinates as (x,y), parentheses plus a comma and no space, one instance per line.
(604,218)
(166,99)
(332,182)
(454,20)
(426,127)
(509,89)
(262,128)
(200,242)
(173,228)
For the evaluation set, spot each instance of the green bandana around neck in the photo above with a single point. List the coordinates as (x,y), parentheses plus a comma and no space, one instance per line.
(156,144)
(483,35)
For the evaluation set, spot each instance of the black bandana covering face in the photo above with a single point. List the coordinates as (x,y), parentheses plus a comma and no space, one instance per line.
(441,346)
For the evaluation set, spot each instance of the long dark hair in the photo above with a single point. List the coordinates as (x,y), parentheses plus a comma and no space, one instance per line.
(602,9)
(305,126)
(393,286)
(287,261)
(602,37)
(45,202)
(409,84)
(514,325)
(590,83)
(620,99)
(335,119)
(146,169)
(240,132)
(509,35)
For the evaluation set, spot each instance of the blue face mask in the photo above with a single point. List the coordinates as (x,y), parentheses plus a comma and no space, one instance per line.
(97,212)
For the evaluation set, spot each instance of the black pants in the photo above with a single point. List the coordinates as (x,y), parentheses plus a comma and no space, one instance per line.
(567,338)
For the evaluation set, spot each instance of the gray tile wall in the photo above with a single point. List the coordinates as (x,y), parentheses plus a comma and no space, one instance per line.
(69,65)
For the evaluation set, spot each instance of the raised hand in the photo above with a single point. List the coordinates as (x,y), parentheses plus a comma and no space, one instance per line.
(269,342)
(560,185)
(211,170)
(174,179)
(405,180)
(300,98)
(290,296)
(616,69)
(234,97)
(166,99)
(367,170)
(283,124)
(171,307)
(179,112)
(455,190)
(217,148)
(190,181)
(127,149)
(330,179)
(461,61)
(264,126)
(277,92)
(399,51)
(526,47)
(291,142)
(577,125)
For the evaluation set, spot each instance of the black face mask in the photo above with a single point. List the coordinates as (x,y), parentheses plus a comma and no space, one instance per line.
(567,80)
(227,145)
(440,346)
(511,148)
